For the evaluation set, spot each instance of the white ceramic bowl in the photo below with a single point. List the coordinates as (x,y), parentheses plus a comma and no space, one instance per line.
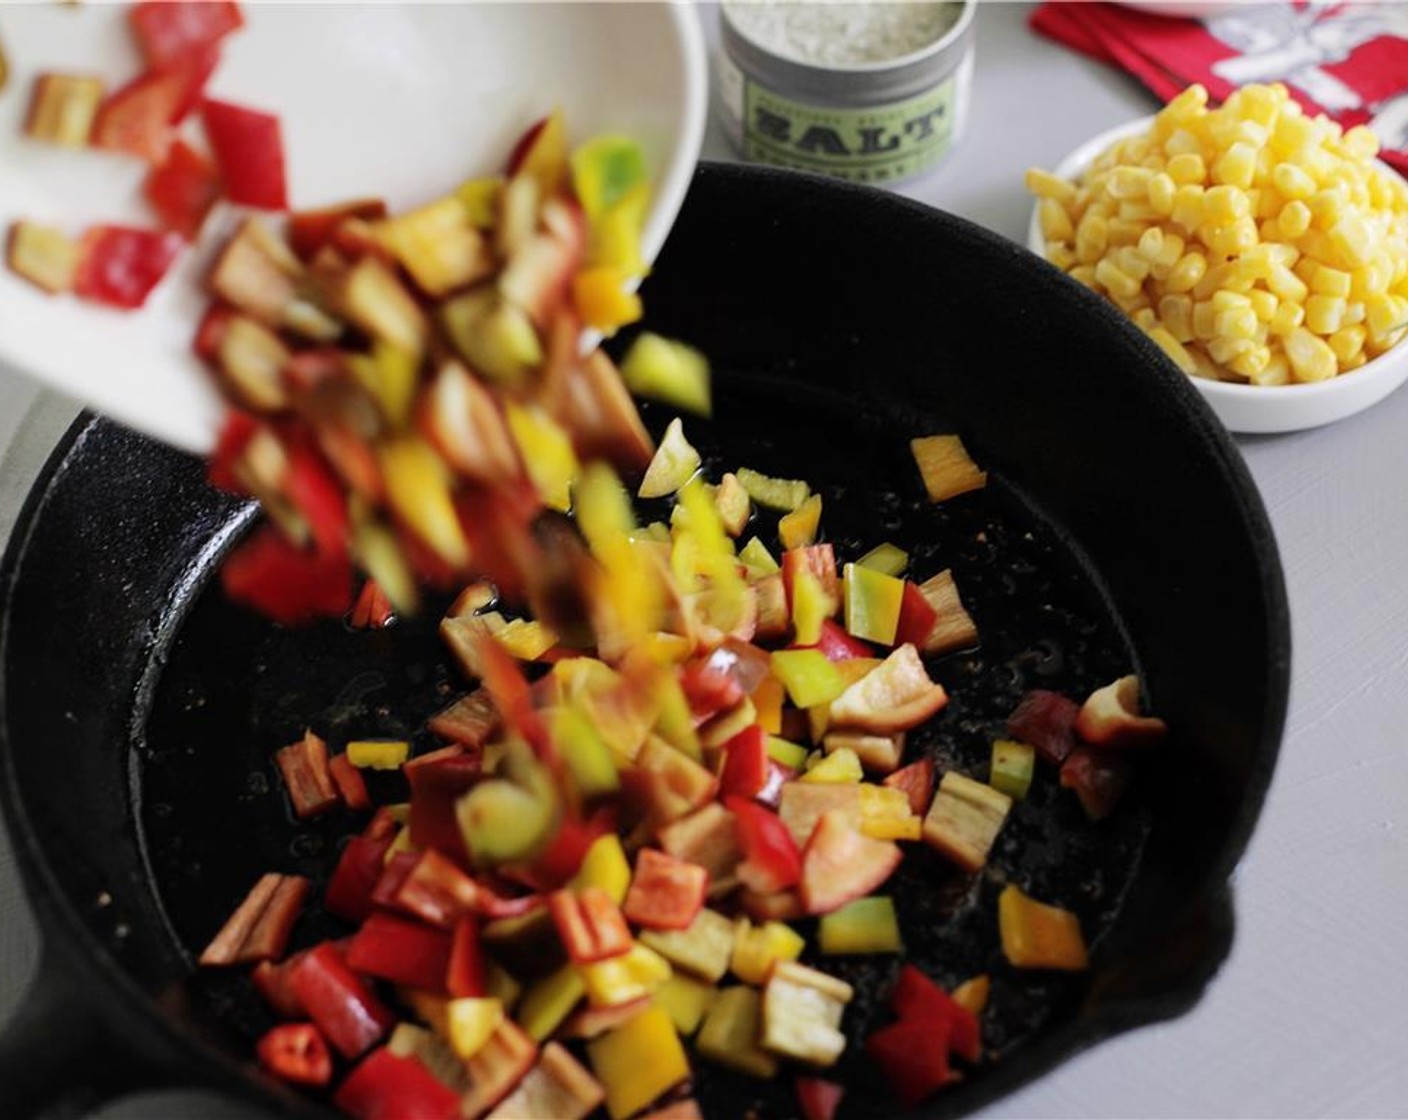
(1261,408)
(398,100)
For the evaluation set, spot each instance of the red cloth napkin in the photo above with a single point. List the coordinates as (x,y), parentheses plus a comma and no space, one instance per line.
(1349,61)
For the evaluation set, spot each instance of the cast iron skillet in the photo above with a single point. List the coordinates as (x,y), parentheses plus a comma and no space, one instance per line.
(1120,530)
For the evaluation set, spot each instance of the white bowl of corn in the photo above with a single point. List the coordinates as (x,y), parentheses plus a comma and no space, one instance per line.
(1265,251)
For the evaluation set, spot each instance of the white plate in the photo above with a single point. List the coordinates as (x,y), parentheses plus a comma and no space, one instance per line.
(1261,408)
(402,101)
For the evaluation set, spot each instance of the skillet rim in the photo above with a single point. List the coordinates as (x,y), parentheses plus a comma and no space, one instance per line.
(199,1064)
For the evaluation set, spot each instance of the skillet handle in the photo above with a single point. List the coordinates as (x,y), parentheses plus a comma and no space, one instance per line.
(58,1059)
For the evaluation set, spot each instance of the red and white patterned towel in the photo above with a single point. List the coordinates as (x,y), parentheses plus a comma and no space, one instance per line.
(1349,61)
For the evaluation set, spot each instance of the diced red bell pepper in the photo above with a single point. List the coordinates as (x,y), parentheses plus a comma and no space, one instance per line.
(351,786)
(310,230)
(913,1058)
(438,780)
(836,644)
(139,117)
(119,266)
(359,868)
(508,688)
(249,150)
(239,426)
(287,584)
(372,610)
(260,926)
(170,31)
(401,951)
(310,484)
(917,997)
(1045,720)
(665,892)
(307,777)
(394,873)
(820,560)
(710,686)
(819,1099)
(1099,778)
(564,854)
(183,189)
(771,861)
(386,1087)
(296,1052)
(338,1002)
(438,892)
(589,924)
(272,980)
(745,772)
(382,826)
(917,617)
(466,976)
(917,781)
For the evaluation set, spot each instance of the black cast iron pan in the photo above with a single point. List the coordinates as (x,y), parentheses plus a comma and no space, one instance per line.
(139,710)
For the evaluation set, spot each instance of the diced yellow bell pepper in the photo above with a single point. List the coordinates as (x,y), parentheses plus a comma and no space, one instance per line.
(549,1001)
(893,828)
(839,766)
(601,505)
(730,1032)
(757,948)
(674,463)
(685,1000)
(604,866)
(756,555)
(614,236)
(873,602)
(973,993)
(670,372)
(785,753)
(945,467)
(378,754)
(547,453)
(602,299)
(887,558)
(818,721)
(480,199)
(811,606)
(588,758)
(867,925)
(418,490)
(470,1023)
(605,170)
(638,1062)
(767,701)
(546,158)
(401,842)
(808,676)
(1035,935)
(798,529)
(733,504)
(619,980)
(704,947)
(781,494)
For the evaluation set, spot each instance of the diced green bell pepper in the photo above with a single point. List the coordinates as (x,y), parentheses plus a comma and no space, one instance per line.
(1013,764)
(808,676)
(867,925)
(887,558)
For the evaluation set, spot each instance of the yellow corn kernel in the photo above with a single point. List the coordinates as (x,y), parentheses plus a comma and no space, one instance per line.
(1306,268)
(1292,182)
(1140,212)
(1264,304)
(1289,315)
(1251,362)
(1266,203)
(1150,244)
(1129,182)
(1294,219)
(1371,280)
(1188,105)
(1173,348)
(1176,314)
(1187,167)
(1188,205)
(1115,280)
(1054,221)
(1061,255)
(1352,239)
(1043,184)
(1092,238)
(1286,284)
(1237,166)
(1235,323)
(1224,204)
(1311,358)
(1354,313)
(1204,320)
(1324,314)
(1145,319)
(1326,208)
(1384,314)
(1182,142)
(1276,372)
(1129,260)
(1360,143)
(1170,252)
(1162,190)
(1187,272)
(1231,301)
(1123,231)
(1347,343)
(1224,351)
(1084,274)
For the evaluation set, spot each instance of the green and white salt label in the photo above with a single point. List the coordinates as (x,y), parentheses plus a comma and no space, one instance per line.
(876,144)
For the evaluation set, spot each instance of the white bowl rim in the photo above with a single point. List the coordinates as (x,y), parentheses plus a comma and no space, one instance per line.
(1382,367)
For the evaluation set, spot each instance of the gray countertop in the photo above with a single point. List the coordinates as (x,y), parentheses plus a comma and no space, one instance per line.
(1308,1017)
